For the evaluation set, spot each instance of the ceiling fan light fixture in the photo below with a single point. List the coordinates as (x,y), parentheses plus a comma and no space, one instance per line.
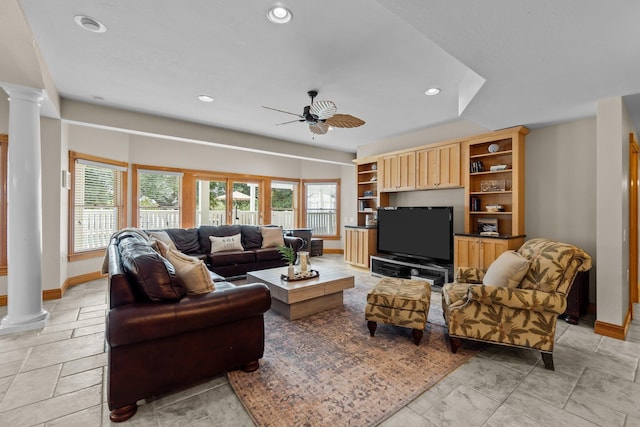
(205,98)
(432,91)
(278,14)
(90,24)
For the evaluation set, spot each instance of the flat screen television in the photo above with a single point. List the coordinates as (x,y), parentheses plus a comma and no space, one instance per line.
(424,233)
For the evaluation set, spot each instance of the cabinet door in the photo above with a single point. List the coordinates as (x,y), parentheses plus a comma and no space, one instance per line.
(427,168)
(490,249)
(449,166)
(438,167)
(389,172)
(359,244)
(407,171)
(466,252)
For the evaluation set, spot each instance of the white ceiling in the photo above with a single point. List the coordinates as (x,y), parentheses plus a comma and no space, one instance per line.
(541,62)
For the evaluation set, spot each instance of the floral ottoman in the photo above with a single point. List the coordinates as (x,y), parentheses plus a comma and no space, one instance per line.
(399,302)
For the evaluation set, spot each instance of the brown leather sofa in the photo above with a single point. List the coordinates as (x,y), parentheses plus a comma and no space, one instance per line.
(195,242)
(160,339)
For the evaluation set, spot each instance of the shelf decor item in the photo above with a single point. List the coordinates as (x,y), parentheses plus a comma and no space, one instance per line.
(494,148)
(488,226)
(492,185)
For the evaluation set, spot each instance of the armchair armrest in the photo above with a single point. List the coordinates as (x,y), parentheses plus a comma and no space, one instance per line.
(522,299)
(146,321)
(468,275)
(295,242)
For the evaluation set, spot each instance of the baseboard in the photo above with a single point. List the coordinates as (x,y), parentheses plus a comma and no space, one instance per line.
(332,251)
(49,294)
(611,330)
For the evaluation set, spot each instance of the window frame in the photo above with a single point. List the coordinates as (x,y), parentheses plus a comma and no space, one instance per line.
(122,206)
(4,152)
(185,196)
(303,206)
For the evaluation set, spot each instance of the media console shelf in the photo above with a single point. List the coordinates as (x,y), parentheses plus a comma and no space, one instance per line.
(389,266)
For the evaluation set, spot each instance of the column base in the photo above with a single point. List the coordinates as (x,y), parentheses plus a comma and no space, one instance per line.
(11,326)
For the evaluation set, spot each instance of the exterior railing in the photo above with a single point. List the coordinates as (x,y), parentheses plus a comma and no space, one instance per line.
(97,225)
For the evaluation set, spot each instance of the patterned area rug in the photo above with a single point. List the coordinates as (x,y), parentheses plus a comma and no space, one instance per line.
(325,369)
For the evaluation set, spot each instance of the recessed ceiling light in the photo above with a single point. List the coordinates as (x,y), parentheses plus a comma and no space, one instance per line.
(432,91)
(90,24)
(205,98)
(279,14)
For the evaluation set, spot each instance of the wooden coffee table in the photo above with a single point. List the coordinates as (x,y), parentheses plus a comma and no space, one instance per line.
(300,298)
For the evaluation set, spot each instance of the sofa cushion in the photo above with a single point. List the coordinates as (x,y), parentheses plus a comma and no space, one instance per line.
(205,231)
(186,240)
(152,277)
(268,254)
(225,244)
(251,237)
(191,272)
(272,237)
(230,258)
(507,270)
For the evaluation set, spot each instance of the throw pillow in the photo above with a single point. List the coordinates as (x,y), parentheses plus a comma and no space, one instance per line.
(150,273)
(228,243)
(507,270)
(191,272)
(272,237)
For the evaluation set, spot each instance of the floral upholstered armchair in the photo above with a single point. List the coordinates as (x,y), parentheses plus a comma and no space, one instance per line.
(516,302)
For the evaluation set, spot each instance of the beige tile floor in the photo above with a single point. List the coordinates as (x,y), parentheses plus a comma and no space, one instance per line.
(56,377)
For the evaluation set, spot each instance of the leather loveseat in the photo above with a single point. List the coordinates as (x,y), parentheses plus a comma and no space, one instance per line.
(161,338)
(254,253)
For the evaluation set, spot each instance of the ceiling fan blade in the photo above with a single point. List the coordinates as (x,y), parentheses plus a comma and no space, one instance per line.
(323,109)
(282,111)
(319,128)
(292,121)
(344,121)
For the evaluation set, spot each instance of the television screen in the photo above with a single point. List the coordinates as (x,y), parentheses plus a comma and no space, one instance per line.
(424,232)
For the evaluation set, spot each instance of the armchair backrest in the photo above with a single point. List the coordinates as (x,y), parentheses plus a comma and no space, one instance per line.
(554,265)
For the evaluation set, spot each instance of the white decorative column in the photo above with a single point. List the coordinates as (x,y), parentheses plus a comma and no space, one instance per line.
(24,213)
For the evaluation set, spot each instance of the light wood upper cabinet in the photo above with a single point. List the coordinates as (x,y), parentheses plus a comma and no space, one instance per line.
(399,172)
(438,167)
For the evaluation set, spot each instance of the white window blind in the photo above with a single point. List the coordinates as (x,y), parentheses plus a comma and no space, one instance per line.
(97,199)
(158,199)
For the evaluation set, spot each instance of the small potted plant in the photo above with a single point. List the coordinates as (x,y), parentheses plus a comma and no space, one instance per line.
(289,255)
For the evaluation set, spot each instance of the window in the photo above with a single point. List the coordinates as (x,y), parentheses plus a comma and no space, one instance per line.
(4,143)
(284,202)
(322,210)
(97,199)
(158,199)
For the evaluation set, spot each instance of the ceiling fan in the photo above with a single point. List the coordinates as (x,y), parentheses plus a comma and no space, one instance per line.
(321,115)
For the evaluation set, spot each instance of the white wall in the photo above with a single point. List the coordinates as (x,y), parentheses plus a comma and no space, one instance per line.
(560,186)
(613,128)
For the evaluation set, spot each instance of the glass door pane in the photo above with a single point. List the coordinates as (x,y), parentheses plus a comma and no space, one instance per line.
(246,203)
(211,203)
